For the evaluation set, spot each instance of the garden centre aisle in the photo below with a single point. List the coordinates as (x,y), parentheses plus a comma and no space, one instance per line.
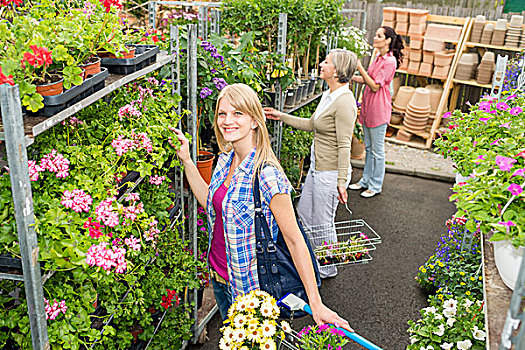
(379,298)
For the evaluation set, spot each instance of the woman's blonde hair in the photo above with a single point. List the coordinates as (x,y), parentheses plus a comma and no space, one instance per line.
(345,63)
(244,99)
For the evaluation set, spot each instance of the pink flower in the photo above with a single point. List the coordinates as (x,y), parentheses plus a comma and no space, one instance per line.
(505,163)
(77,200)
(122,145)
(502,106)
(480,158)
(485,120)
(105,213)
(55,163)
(132,197)
(511,97)
(128,111)
(505,125)
(156,180)
(484,106)
(515,189)
(447,115)
(142,141)
(52,311)
(507,223)
(34,170)
(133,243)
(107,258)
(519,172)
(495,143)
(516,110)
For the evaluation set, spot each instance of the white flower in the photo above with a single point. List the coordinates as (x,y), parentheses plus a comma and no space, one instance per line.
(450,304)
(244,348)
(223,345)
(254,335)
(438,317)
(266,309)
(413,340)
(464,345)
(241,305)
(468,302)
(227,334)
(253,303)
(239,335)
(447,346)
(449,312)
(430,309)
(268,329)
(478,333)
(269,344)
(239,321)
(440,331)
(450,321)
(286,327)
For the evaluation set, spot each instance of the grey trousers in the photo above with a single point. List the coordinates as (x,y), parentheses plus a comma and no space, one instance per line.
(317,207)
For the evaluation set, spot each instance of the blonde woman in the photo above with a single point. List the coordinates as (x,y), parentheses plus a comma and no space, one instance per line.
(242,136)
(330,170)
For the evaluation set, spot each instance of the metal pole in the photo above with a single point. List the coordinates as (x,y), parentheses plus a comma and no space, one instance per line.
(499,76)
(25,221)
(152,9)
(279,94)
(202,22)
(192,123)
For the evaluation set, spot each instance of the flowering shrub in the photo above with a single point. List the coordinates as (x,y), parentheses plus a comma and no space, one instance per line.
(487,144)
(354,249)
(322,337)
(451,323)
(451,268)
(252,323)
(354,40)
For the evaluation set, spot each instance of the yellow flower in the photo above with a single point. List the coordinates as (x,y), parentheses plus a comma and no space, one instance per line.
(462,283)
(472,278)
(462,273)
(441,264)
(440,296)
(480,278)
(467,292)
(431,266)
(278,73)
(423,270)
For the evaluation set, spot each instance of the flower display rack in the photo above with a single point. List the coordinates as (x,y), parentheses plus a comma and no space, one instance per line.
(19,132)
(145,55)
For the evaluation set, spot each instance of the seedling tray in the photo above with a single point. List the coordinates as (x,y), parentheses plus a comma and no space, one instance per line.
(57,103)
(144,56)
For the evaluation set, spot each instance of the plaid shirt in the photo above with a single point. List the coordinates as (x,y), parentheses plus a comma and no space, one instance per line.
(238,216)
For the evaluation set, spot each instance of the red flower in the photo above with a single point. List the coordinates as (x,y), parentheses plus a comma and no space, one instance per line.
(7,2)
(521,154)
(6,79)
(94,228)
(155,38)
(41,57)
(107,4)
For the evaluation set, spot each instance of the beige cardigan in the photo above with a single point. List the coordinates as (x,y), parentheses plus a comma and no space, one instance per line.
(333,130)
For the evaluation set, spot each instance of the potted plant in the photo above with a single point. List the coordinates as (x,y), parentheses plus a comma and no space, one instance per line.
(358,144)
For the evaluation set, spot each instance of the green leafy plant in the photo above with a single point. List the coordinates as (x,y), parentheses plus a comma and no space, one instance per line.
(322,337)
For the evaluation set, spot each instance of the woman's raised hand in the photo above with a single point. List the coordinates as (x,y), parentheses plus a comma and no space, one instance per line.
(272,113)
(184,151)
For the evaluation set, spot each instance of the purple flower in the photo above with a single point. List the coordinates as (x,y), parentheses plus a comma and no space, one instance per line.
(516,110)
(447,115)
(484,120)
(200,222)
(504,163)
(511,97)
(205,92)
(515,189)
(505,125)
(495,143)
(220,83)
(502,106)
(519,172)
(203,228)
(482,157)
(507,223)
(213,70)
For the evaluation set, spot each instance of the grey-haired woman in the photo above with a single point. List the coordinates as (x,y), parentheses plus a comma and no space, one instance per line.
(330,170)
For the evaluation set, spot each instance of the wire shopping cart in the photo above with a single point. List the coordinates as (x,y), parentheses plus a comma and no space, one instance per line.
(343,242)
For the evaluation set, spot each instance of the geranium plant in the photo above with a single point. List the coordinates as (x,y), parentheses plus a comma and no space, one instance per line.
(451,323)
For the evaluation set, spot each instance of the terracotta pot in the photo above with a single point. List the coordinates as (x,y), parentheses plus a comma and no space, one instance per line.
(130,53)
(389,13)
(432,44)
(444,58)
(403,135)
(418,16)
(428,57)
(417,28)
(440,72)
(396,119)
(51,89)
(425,69)
(91,68)
(396,84)
(413,67)
(416,42)
(205,166)
(435,96)
(401,16)
(421,98)
(501,24)
(401,28)
(415,55)
(404,94)
(358,149)
(391,24)
(443,32)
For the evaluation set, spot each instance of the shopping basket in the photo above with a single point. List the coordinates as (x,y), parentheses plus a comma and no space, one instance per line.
(343,242)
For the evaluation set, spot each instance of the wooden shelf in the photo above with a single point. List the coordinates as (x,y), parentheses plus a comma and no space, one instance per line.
(472,82)
(414,143)
(417,75)
(494,47)
(303,103)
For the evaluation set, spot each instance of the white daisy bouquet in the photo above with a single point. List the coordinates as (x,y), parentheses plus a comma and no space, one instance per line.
(252,323)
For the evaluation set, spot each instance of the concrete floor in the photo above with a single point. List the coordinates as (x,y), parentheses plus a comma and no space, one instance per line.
(379,298)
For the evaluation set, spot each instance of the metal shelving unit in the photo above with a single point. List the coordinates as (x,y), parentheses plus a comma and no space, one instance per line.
(18,137)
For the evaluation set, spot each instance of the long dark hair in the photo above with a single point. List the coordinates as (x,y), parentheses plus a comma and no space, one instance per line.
(396,44)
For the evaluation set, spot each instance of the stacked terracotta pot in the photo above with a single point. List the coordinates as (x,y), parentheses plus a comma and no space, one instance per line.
(418,22)
(403,97)
(436,90)
(500,30)
(477,29)
(442,62)
(486,68)
(427,65)
(417,111)
(486,36)
(389,17)
(401,21)
(466,66)
(514,31)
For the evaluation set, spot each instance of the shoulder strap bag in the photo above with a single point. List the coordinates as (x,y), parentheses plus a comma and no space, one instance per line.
(277,273)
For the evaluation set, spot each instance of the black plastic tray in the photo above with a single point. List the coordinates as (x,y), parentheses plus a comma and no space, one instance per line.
(7,261)
(144,56)
(57,103)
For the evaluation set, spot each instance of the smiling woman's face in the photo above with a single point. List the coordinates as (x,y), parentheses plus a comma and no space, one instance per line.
(234,125)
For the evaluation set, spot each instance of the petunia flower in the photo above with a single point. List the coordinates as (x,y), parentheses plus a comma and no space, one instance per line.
(484,106)
(482,157)
(516,110)
(495,143)
(515,189)
(504,163)
(447,115)
(485,120)
(502,106)
(506,223)
(519,172)
(505,125)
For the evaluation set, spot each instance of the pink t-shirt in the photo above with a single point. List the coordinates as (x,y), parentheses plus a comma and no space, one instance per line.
(218,259)
(376,107)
